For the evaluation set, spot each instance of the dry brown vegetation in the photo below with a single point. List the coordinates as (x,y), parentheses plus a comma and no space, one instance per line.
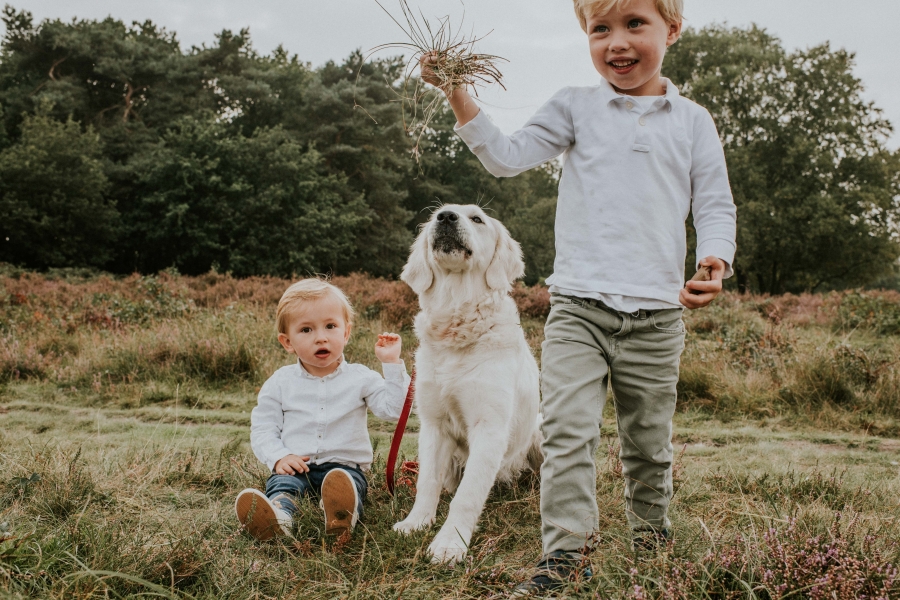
(124,409)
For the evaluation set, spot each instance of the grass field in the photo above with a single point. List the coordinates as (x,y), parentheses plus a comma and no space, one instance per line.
(124,438)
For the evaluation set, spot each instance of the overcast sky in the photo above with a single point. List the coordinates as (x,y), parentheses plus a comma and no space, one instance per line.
(541,38)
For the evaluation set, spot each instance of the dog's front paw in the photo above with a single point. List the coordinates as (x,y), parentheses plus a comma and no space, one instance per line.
(411,523)
(448,548)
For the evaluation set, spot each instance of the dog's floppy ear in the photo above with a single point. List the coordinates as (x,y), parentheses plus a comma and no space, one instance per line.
(506,265)
(417,273)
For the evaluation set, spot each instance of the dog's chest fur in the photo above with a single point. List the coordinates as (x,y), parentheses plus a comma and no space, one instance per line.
(469,323)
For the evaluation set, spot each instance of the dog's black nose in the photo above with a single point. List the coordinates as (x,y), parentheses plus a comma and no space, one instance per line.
(447,216)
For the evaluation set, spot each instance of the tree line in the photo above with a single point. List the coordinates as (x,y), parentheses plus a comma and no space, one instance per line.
(120,150)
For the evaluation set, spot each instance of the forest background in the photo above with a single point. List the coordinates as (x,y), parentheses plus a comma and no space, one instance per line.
(124,152)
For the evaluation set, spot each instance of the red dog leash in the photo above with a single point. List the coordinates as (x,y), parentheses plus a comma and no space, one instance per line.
(398,432)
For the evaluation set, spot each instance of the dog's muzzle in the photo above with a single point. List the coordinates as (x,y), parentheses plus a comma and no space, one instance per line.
(447,235)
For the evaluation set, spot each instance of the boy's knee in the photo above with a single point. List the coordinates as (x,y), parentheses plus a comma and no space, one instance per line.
(285,484)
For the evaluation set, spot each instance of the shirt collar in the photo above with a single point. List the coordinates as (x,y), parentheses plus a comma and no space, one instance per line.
(307,375)
(610,95)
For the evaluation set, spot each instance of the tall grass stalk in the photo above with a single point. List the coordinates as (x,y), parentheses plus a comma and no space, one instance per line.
(455,63)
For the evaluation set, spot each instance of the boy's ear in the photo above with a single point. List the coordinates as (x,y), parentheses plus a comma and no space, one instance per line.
(285,342)
(674,33)
(347,332)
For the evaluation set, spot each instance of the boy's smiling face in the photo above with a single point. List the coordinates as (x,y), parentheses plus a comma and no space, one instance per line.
(317,334)
(628,45)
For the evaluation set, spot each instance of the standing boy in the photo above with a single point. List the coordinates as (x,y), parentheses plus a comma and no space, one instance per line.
(309,425)
(637,159)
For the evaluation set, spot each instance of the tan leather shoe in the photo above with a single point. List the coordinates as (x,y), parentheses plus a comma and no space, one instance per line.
(339,501)
(262,519)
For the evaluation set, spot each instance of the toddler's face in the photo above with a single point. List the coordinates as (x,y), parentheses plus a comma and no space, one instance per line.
(628,45)
(317,334)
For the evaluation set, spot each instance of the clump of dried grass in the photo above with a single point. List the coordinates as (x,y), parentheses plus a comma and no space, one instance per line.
(453,61)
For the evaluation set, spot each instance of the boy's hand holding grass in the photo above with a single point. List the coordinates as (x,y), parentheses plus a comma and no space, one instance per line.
(387,348)
(292,465)
(698,293)
(460,100)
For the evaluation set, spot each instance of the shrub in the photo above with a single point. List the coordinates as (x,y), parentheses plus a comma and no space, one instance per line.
(211,360)
(875,311)
(532,301)
(17,362)
(695,385)
(820,382)
(396,304)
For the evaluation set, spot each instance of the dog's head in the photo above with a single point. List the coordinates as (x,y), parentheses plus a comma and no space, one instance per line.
(462,239)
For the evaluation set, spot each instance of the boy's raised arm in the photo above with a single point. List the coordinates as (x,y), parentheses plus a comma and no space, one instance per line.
(547,134)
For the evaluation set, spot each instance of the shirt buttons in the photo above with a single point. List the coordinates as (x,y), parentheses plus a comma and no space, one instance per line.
(643,122)
(629,105)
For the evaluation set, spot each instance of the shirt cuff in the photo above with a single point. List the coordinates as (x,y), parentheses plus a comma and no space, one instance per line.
(476,132)
(722,249)
(394,370)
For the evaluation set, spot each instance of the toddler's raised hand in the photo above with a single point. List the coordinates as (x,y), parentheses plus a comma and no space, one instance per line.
(387,348)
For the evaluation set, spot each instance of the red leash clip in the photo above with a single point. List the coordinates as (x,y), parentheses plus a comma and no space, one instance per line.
(398,432)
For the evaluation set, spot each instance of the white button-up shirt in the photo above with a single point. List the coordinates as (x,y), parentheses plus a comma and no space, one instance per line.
(630,177)
(324,417)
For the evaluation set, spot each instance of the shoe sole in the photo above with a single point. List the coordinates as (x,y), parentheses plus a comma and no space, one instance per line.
(256,515)
(338,502)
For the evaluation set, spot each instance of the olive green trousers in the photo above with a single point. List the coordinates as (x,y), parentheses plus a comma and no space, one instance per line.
(588,346)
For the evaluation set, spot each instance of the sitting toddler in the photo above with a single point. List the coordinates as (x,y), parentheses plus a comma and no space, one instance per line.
(309,425)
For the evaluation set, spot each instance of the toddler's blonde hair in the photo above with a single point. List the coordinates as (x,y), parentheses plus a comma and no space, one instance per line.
(304,291)
(671,10)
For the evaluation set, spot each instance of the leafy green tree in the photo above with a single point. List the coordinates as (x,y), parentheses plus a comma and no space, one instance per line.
(353,118)
(53,209)
(816,188)
(249,205)
(128,82)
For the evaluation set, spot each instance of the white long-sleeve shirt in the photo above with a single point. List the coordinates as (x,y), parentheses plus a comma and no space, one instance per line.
(324,417)
(630,177)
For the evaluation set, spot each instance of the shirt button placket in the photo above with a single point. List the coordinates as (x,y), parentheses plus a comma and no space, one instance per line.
(321,427)
(641,137)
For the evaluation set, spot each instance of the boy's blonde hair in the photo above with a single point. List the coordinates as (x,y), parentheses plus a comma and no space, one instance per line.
(671,10)
(303,291)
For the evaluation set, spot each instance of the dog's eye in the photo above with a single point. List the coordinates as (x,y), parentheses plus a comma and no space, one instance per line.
(477,219)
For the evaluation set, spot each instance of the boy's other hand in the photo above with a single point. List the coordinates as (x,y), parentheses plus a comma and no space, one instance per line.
(697,294)
(292,465)
(388,347)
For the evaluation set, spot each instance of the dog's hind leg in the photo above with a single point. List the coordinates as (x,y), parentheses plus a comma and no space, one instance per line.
(535,455)
(487,445)
(435,455)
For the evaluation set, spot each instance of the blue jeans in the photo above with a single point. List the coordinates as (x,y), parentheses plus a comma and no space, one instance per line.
(297,486)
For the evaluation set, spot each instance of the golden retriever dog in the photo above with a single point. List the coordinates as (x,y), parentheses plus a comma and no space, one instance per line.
(477,389)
